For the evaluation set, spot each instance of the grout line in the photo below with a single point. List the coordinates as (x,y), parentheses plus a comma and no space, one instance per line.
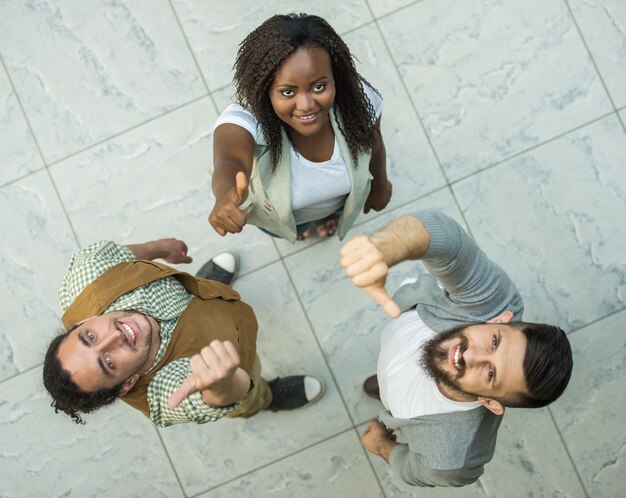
(67,215)
(531,148)
(368,459)
(169,458)
(265,465)
(582,485)
(22,177)
(19,102)
(392,12)
(193,55)
(22,372)
(129,129)
(319,346)
(582,38)
(593,322)
(43,159)
(621,121)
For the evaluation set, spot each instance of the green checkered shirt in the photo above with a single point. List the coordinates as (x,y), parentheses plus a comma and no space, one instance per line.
(165,300)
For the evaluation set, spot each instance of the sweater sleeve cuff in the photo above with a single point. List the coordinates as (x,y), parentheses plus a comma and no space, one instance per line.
(440,229)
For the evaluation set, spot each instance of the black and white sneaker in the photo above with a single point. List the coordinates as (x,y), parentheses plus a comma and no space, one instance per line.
(223,268)
(296,391)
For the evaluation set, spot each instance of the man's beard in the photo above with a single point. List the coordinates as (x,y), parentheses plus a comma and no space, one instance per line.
(433,355)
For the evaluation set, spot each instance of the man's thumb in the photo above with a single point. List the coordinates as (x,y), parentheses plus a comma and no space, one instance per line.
(188,387)
(379,294)
(241,184)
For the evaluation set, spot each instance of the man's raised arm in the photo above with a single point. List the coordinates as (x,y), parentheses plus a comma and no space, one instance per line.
(450,255)
(367,260)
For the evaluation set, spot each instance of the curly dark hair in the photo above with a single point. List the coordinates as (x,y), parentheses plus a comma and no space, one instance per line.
(66,395)
(263,51)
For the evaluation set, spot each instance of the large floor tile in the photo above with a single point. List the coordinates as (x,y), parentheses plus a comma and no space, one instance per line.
(116,454)
(209,455)
(215,29)
(551,218)
(603,25)
(590,413)
(18,152)
(346,321)
(155,182)
(86,71)
(336,468)
(530,459)
(37,244)
(492,78)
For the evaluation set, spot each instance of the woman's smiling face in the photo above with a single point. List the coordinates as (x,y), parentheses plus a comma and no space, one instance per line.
(303,91)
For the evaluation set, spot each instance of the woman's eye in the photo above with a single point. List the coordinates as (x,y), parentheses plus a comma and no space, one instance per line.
(108,361)
(319,87)
(287,93)
(494,342)
(490,374)
(91,336)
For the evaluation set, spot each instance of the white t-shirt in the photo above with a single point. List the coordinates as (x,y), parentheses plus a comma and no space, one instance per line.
(406,390)
(318,189)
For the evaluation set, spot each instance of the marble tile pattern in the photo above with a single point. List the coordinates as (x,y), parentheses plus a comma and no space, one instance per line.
(18,151)
(503,114)
(603,24)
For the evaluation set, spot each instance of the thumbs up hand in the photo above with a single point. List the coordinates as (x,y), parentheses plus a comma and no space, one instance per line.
(227,216)
(216,374)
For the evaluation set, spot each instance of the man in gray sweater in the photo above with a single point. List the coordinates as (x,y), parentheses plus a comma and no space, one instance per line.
(456,353)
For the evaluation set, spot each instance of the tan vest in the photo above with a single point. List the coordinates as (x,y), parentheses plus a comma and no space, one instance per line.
(215,312)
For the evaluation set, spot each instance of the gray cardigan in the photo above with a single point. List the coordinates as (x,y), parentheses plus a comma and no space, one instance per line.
(451,449)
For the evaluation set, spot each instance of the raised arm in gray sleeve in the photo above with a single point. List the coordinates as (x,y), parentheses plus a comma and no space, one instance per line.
(474,287)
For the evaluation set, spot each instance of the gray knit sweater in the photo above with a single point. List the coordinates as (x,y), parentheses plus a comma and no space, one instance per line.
(451,449)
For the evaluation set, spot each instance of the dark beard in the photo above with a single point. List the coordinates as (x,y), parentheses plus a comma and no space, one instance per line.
(433,354)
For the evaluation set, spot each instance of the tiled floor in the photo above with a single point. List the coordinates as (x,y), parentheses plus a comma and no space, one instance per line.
(507,115)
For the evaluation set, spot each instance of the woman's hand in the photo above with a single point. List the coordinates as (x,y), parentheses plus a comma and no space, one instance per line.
(379,197)
(226,216)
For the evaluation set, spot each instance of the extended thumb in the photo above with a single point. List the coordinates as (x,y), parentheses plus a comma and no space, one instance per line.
(188,387)
(241,184)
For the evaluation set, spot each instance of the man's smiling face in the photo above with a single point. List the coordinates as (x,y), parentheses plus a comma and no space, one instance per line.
(110,349)
(481,360)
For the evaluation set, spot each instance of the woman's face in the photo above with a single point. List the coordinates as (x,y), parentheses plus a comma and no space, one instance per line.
(303,90)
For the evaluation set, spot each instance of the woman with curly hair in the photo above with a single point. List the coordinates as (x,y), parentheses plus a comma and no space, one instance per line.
(302,147)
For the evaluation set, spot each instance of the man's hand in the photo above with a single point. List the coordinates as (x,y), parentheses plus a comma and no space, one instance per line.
(215,372)
(226,216)
(171,250)
(378,439)
(364,263)
(174,251)
(379,196)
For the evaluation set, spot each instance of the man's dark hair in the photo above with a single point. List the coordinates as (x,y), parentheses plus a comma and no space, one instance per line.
(547,365)
(263,51)
(66,395)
